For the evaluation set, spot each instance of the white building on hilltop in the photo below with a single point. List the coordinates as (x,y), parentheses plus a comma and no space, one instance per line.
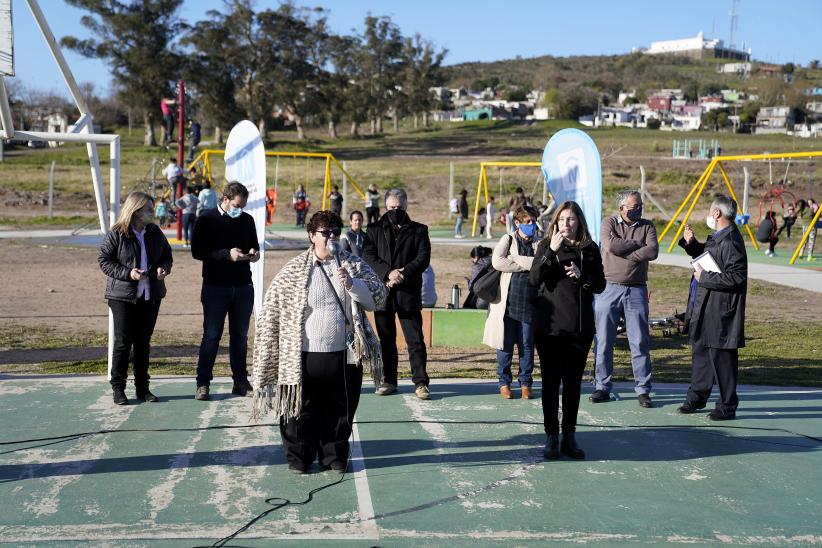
(698,47)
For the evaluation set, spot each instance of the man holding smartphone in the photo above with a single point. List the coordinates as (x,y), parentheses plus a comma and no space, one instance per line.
(225,240)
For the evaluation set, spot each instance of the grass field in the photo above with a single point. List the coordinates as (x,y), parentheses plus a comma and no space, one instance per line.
(416,159)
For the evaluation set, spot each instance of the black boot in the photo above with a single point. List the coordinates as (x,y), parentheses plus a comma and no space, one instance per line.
(120,396)
(569,446)
(552,447)
(146,395)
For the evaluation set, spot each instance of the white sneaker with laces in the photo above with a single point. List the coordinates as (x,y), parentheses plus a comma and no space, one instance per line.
(423,393)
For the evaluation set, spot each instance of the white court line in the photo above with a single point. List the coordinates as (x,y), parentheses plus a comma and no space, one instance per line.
(365,507)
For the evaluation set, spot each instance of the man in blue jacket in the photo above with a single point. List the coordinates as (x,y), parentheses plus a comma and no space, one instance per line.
(716,311)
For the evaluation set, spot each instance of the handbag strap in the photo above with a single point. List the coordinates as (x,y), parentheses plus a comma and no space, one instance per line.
(318,264)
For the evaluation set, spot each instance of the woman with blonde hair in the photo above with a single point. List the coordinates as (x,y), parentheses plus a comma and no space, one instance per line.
(568,271)
(136,258)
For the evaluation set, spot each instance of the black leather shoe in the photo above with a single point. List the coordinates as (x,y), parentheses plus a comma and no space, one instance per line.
(687,408)
(551,451)
(645,401)
(599,396)
(242,389)
(296,469)
(717,415)
(570,448)
(147,396)
(120,396)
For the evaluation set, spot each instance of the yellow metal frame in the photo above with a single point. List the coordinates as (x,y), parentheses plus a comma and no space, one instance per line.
(205,158)
(482,184)
(697,189)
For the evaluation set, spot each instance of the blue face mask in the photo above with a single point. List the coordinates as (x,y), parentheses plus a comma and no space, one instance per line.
(234,212)
(529,230)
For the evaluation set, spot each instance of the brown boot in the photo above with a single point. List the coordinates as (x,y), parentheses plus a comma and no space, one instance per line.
(526,392)
(505,392)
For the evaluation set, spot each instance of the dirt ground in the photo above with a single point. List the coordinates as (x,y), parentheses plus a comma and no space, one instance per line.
(62,288)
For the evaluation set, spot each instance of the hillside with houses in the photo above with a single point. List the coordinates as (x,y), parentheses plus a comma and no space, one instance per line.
(677,85)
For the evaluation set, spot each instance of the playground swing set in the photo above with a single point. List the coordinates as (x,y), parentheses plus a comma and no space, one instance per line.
(482,186)
(204,160)
(743,218)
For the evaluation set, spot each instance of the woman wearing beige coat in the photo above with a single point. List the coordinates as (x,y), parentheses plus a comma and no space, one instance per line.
(509,320)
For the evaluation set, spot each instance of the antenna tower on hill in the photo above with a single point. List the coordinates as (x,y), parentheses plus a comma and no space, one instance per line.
(734,22)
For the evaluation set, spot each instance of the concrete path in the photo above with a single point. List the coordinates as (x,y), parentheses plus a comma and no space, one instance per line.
(294,238)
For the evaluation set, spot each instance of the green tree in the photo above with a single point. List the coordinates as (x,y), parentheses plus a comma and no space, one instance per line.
(135,39)
(212,71)
(422,72)
(381,58)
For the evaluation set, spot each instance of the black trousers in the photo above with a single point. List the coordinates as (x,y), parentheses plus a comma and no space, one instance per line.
(373,214)
(709,365)
(133,327)
(330,394)
(411,324)
(561,361)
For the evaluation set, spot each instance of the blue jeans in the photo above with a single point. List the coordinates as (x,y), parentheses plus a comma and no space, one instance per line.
(632,303)
(458,227)
(218,300)
(521,334)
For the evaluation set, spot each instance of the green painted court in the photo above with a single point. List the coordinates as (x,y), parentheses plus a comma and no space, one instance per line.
(463,469)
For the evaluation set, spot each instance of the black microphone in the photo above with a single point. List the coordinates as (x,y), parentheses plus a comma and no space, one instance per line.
(334,248)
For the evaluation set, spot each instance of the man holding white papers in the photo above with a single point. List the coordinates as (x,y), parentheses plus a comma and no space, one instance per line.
(629,243)
(716,310)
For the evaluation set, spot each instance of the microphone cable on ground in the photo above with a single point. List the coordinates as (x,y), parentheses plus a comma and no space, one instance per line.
(278,503)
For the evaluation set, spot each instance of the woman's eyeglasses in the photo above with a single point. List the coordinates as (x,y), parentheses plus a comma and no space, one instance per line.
(327,233)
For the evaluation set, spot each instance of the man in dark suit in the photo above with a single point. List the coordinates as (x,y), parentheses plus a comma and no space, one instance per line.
(716,312)
(398,249)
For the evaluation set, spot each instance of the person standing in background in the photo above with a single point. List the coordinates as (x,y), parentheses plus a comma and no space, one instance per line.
(188,203)
(372,204)
(168,119)
(336,200)
(715,318)
(136,258)
(399,251)
(509,320)
(195,135)
(462,212)
(629,244)
(354,238)
(490,212)
(225,240)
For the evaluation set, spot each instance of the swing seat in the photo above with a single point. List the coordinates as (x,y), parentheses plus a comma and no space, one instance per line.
(743,218)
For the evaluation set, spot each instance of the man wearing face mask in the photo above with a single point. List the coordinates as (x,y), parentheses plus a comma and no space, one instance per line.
(628,244)
(399,251)
(715,318)
(225,240)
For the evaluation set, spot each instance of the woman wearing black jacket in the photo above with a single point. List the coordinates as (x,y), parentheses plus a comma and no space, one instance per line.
(136,258)
(567,269)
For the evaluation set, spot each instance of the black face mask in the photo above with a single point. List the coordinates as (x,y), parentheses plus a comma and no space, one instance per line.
(397,216)
(634,214)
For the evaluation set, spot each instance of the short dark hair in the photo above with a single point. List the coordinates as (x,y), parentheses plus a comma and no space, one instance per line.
(189,188)
(234,189)
(173,160)
(323,219)
(519,190)
(355,212)
(479,252)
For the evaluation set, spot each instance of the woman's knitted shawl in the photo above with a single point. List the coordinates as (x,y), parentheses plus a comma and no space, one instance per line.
(277,361)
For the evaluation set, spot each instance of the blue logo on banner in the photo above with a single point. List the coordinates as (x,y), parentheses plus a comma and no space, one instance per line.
(573,172)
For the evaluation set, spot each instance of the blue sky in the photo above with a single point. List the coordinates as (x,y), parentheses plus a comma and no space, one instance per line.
(779,32)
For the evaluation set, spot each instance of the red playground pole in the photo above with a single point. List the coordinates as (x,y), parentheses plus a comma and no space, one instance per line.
(181,128)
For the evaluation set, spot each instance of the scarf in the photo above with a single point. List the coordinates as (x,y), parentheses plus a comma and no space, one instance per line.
(277,357)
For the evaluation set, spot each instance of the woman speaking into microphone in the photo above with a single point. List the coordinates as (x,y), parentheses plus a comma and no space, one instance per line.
(312,341)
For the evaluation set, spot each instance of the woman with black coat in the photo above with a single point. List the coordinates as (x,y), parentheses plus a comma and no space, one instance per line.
(136,258)
(567,269)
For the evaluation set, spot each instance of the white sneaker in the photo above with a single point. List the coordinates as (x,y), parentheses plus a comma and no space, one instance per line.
(422,392)
(458,236)
(386,389)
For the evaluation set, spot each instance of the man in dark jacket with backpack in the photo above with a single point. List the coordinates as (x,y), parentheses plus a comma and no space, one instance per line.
(716,312)
(399,251)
